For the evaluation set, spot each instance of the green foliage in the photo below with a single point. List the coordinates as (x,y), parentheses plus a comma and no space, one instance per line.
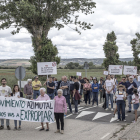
(136,51)
(129,63)
(110,49)
(39,16)
(42,15)
(46,54)
(72,65)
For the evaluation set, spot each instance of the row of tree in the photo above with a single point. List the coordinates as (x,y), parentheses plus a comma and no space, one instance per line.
(112,57)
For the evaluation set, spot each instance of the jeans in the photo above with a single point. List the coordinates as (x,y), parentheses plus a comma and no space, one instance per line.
(101,96)
(107,100)
(15,121)
(76,105)
(91,94)
(121,107)
(7,122)
(51,95)
(36,93)
(59,118)
(55,92)
(129,101)
(95,98)
(68,101)
(87,97)
(81,92)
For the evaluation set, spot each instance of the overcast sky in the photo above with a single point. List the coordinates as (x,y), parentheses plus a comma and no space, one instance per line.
(120,16)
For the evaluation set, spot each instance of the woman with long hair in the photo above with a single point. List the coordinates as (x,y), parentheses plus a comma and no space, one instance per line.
(17,94)
(87,88)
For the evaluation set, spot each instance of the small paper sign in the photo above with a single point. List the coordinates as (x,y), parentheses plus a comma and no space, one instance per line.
(105,72)
(78,73)
(138,78)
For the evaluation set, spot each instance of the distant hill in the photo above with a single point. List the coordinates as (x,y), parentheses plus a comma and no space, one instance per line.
(63,62)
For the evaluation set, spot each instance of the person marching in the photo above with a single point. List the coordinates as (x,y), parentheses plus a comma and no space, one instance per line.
(17,94)
(120,97)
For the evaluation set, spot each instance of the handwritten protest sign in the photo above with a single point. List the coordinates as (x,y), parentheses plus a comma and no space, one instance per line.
(46,68)
(26,110)
(115,69)
(132,70)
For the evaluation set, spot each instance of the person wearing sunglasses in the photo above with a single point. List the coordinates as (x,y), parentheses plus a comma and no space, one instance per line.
(124,83)
(36,84)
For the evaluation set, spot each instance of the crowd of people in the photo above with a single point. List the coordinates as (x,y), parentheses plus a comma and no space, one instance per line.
(76,90)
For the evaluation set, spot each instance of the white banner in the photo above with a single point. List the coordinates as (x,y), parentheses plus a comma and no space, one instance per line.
(132,70)
(26,110)
(115,69)
(46,68)
(78,73)
(23,83)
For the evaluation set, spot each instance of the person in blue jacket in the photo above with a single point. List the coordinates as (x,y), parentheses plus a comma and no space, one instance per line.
(95,90)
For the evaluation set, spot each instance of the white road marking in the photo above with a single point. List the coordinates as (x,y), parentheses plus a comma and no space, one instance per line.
(100,114)
(105,136)
(84,113)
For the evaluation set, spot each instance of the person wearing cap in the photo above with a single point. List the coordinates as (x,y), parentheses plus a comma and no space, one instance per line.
(131,85)
(120,98)
(28,91)
(36,84)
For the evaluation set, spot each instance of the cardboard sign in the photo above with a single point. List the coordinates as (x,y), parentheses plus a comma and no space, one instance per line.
(115,69)
(78,73)
(46,68)
(131,70)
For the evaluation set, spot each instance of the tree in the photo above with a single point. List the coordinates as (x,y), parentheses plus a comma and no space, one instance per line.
(110,49)
(39,16)
(136,50)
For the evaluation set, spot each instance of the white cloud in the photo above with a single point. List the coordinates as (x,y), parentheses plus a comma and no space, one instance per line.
(119,16)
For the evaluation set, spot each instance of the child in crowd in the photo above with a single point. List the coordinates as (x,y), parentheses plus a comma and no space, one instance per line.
(135,101)
(120,98)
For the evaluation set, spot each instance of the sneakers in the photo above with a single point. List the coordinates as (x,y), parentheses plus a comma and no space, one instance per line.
(47,129)
(106,109)
(1,127)
(111,109)
(41,129)
(75,113)
(62,132)
(8,127)
(58,131)
(15,129)
(19,128)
